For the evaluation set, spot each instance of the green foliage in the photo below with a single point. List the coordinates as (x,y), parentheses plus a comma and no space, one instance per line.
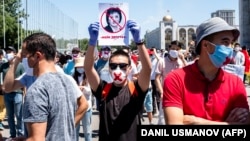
(11,13)
(83,44)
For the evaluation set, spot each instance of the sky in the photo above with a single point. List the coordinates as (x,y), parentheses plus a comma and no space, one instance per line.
(147,13)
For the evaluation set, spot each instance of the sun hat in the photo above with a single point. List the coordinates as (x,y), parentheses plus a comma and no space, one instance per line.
(214,25)
(79,62)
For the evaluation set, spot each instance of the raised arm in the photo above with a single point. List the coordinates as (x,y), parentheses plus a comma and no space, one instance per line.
(92,75)
(144,76)
(156,55)
(9,83)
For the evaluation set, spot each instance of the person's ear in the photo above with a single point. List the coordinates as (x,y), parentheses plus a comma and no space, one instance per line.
(38,55)
(204,43)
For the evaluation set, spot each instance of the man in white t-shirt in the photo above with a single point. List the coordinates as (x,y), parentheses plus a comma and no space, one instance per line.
(172,61)
(238,56)
(155,94)
(134,71)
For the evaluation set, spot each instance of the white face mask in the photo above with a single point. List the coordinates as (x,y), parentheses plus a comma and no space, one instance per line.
(80,70)
(118,75)
(105,54)
(75,55)
(173,53)
(237,48)
(28,70)
(9,56)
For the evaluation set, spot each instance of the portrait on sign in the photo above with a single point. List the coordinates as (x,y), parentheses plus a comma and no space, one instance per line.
(113,18)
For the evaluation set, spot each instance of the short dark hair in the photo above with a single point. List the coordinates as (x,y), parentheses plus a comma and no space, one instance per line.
(237,44)
(120,52)
(1,52)
(178,43)
(10,48)
(244,47)
(41,42)
(112,10)
(198,47)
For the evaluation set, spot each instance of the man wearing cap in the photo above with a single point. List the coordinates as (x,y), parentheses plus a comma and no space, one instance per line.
(203,93)
(101,64)
(69,67)
(13,99)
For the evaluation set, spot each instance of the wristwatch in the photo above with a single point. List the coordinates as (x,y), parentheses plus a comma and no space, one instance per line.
(140,42)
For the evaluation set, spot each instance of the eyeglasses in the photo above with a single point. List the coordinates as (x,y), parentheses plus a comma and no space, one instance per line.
(122,66)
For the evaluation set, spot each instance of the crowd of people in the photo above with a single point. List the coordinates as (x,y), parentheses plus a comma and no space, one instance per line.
(50,94)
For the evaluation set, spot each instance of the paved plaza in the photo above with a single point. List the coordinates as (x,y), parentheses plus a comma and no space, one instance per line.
(95,124)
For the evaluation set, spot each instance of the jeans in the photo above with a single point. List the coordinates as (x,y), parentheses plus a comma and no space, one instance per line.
(13,102)
(86,124)
(148,101)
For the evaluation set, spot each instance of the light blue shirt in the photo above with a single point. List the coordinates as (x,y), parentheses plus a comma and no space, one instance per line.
(69,68)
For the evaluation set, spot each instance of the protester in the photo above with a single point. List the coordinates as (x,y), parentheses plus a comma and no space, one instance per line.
(155,58)
(101,64)
(133,74)
(50,104)
(2,105)
(203,93)
(13,99)
(173,60)
(69,67)
(238,56)
(246,64)
(177,45)
(119,108)
(82,81)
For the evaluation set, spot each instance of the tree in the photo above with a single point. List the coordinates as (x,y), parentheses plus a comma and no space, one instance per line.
(83,44)
(11,14)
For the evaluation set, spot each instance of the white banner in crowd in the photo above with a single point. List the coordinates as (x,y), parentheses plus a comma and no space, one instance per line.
(113,20)
(235,69)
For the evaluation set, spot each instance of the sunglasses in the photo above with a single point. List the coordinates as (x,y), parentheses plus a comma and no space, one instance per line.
(122,66)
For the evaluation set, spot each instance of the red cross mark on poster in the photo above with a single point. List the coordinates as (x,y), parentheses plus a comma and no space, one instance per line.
(115,20)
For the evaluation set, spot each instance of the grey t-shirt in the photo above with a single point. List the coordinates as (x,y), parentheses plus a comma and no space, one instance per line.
(52,99)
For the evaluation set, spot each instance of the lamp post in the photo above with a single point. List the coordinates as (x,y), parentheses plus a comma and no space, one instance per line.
(4,41)
(18,28)
(26,5)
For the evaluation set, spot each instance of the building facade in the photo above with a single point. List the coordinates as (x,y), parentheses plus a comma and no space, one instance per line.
(244,21)
(168,31)
(227,15)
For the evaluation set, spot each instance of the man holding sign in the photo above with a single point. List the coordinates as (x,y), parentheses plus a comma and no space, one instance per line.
(119,107)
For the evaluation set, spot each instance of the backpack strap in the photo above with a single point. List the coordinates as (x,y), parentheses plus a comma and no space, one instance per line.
(108,86)
(132,89)
(106,90)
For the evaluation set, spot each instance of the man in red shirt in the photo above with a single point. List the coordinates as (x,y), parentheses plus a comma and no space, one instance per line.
(203,93)
(247,63)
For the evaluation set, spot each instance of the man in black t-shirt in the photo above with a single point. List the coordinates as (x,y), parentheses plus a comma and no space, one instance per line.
(120,108)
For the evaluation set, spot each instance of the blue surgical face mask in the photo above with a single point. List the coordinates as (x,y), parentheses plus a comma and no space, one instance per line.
(222,55)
